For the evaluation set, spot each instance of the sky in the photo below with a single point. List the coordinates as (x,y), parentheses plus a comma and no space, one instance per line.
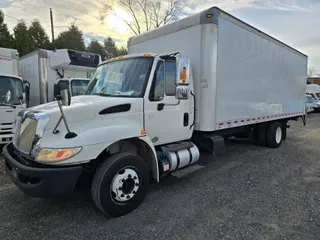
(295,22)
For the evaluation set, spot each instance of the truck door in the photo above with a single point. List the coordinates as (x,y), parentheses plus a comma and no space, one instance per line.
(167,119)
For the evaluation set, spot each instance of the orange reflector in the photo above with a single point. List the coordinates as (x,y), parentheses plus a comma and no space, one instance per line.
(143,132)
(184,75)
(114,59)
(147,54)
(209,15)
(120,57)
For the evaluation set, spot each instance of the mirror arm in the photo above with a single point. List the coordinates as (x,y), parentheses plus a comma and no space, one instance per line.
(55,131)
(63,116)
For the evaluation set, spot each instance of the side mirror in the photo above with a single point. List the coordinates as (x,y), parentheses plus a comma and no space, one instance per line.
(65,97)
(183,71)
(56,90)
(27,91)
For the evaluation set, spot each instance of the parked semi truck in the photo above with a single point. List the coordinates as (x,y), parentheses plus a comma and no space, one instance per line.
(13,94)
(184,86)
(45,68)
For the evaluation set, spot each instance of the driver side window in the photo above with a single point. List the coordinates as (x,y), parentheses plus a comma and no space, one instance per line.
(157,88)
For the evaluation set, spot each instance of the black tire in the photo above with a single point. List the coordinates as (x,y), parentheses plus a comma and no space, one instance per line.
(272,133)
(101,184)
(259,135)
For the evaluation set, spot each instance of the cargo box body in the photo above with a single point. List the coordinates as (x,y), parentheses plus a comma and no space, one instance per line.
(241,75)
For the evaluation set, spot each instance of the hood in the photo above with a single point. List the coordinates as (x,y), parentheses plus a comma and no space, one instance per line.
(84,107)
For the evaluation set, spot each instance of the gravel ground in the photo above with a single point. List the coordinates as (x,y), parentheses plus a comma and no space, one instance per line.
(249,192)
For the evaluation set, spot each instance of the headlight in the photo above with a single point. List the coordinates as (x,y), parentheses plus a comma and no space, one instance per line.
(56,155)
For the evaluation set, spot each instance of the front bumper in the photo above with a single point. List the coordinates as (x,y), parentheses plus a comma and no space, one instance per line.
(42,181)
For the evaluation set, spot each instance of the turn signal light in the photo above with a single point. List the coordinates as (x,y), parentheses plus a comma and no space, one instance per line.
(184,75)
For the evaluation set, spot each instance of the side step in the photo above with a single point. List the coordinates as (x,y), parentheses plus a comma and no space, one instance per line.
(177,146)
(186,171)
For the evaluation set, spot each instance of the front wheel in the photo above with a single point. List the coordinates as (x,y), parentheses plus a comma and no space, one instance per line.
(120,184)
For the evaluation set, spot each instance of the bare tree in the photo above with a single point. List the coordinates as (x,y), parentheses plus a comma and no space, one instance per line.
(144,14)
(312,72)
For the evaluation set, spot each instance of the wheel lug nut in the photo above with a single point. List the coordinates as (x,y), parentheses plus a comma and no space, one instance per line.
(133,192)
(128,196)
(122,195)
(137,184)
(129,176)
(122,180)
(134,177)
(120,188)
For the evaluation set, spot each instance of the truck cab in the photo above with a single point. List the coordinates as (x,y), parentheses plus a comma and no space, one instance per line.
(314,91)
(13,94)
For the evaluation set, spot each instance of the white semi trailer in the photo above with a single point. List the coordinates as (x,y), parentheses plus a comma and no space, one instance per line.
(200,80)
(45,68)
(13,95)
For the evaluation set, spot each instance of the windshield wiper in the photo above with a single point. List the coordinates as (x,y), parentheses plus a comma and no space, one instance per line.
(104,94)
(7,105)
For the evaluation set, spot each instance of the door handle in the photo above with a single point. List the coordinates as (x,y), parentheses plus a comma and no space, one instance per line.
(160,106)
(185,119)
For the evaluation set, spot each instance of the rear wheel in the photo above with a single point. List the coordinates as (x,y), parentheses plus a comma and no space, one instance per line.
(274,135)
(120,184)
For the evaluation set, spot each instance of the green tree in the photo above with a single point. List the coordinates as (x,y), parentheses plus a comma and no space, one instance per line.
(96,47)
(110,48)
(70,39)
(23,42)
(38,35)
(122,51)
(6,39)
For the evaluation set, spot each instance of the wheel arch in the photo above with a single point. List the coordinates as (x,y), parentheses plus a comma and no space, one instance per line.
(141,146)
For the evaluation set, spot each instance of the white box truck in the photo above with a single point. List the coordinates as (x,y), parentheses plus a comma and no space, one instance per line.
(45,68)
(13,95)
(202,79)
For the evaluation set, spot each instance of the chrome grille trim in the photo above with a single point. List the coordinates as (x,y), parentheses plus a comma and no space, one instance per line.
(29,129)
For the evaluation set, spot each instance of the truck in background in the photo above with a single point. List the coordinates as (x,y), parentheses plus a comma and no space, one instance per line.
(13,93)
(45,68)
(313,80)
(184,86)
(314,91)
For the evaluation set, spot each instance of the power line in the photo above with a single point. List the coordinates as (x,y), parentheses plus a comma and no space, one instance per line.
(12,17)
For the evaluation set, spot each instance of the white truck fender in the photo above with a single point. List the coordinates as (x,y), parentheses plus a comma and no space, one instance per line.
(155,166)
(103,138)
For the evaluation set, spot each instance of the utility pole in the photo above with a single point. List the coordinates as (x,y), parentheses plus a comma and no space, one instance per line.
(52,30)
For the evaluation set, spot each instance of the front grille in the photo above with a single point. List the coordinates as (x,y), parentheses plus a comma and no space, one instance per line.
(29,129)
(6,128)
(25,133)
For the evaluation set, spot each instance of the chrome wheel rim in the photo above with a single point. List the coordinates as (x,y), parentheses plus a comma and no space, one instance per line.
(125,185)
(278,135)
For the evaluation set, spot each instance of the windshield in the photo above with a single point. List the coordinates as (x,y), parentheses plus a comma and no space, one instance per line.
(123,78)
(12,87)
(79,86)
(318,95)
